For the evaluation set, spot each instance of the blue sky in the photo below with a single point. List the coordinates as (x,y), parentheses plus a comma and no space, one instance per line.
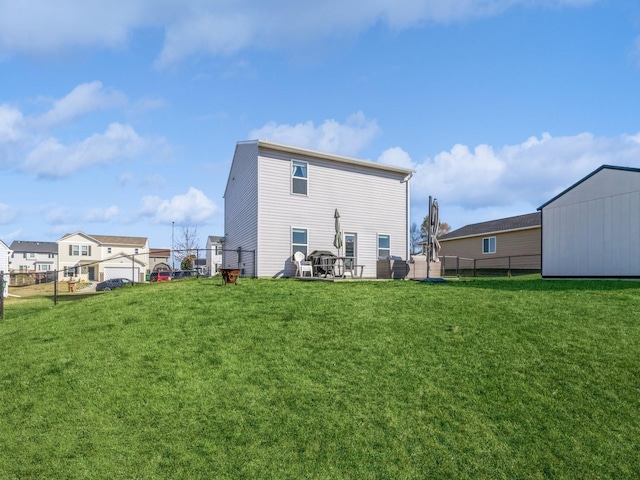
(121,117)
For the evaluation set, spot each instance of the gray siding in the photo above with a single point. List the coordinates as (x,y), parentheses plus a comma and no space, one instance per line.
(241,204)
(370,201)
(593,230)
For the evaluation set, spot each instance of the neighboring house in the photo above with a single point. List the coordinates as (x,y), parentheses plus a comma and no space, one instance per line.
(214,254)
(33,258)
(281,199)
(5,252)
(592,229)
(101,257)
(159,259)
(507,242)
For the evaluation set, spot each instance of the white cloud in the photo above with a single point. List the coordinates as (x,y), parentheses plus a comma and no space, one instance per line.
(53,159)
(84,98)
(58,216)
(11,124)
(332,137)
(102,214)
(191,208)
(487,183)
(224,27)
(396,157)
(7,214)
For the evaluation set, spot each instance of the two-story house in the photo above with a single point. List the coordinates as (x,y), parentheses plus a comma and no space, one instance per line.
(102,257)
(281,199)
(159,259)
(36,259)
(214,254)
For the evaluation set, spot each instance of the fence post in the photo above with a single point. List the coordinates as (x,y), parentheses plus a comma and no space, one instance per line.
(1,294)
(55,288)
(474,267)
(509,267)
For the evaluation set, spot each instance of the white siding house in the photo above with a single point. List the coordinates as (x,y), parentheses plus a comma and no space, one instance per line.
(4,268)
(102,257)
(33,258)
(214,254)
(280,198)
(592,229)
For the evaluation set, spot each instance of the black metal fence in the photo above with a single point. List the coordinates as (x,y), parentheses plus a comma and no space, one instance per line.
(506,266)
(244,260)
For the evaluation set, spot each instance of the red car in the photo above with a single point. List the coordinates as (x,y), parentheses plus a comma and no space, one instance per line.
(159,276)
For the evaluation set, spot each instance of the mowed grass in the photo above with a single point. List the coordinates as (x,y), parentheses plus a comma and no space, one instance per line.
(488,378)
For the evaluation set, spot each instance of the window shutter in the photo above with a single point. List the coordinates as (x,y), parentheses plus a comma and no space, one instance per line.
(89,250)
(70,250)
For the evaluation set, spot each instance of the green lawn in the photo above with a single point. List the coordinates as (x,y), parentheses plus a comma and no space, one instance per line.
(479,378)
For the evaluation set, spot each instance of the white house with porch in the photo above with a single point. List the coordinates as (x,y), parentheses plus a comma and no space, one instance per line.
(102,257)
(280,199)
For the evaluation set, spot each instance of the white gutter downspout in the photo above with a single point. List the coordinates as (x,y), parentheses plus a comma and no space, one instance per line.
(407,216)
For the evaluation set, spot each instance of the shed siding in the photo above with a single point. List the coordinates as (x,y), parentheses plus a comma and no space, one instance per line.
(369,201)
(241,205)
(522,245)
(593,230)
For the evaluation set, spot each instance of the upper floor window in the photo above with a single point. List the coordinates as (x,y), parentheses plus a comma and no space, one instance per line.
(108,249)
(384,247)
(299,240)
(299,177)
(74,250)
(32,255)
(489,245)
(52,255)
(86,250)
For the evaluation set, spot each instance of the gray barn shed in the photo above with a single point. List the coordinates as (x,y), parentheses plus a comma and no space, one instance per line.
(592,229)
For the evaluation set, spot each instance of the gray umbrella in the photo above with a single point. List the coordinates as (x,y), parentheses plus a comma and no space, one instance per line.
(337,240)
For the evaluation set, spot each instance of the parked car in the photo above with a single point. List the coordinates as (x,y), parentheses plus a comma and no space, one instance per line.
(184,274)
(112,283)
(160,276)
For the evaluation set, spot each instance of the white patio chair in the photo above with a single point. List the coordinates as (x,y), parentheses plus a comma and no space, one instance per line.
(302,265)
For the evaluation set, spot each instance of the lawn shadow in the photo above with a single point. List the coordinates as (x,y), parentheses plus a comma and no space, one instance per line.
(538,284)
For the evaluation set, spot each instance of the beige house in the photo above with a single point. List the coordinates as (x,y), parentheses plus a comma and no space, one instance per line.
(160,260)
(101,257)
(513,242)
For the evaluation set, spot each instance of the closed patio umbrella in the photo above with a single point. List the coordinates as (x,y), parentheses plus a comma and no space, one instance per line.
(337,240)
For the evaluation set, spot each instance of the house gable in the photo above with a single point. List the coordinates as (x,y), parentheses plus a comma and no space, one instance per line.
(592,229)
(372,200)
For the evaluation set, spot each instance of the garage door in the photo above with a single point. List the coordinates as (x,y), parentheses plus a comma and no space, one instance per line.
(122,272)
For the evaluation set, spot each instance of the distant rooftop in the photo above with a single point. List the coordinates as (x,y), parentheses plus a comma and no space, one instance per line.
(529,220)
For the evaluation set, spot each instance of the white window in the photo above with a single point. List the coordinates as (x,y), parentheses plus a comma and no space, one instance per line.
(74,250)
(108,249)
(299,177)
(32,255)
(489,245)
(299,241)
(135,251)
(86,250)
(384,247)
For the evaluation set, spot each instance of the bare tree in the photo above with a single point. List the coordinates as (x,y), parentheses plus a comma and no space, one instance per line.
(443,228)
(415,237)
(186,247)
